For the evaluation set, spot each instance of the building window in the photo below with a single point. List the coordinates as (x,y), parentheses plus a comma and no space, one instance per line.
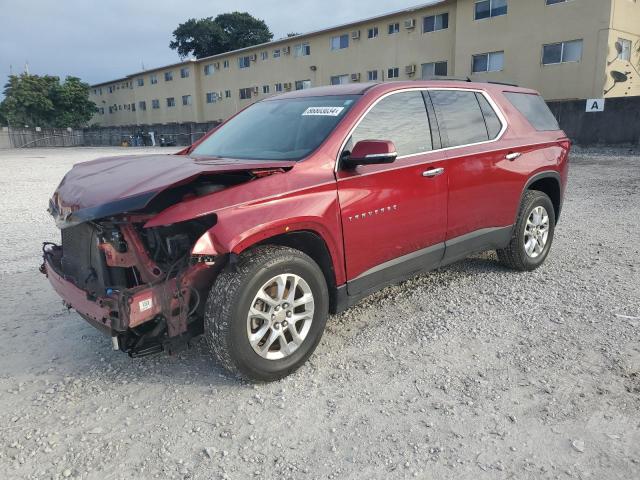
(372,32)
(101,110)
(208,69)
(393,72)
(155,103)
(225,64)
(227,93)
(264,55)
(434,69)
(153,79)
(141,82)
(302,50)
(562,52)
(490,8)
(340,41)
(186,100)
(339,80)
(212,97)
(142,105)
(276,53)
(168,76)
(245,93)
(435,22)
(171,102)
(393,28)
(133,107)
(553,2)
(303,84)
(488,62)
(184,72)
(372,75)
(110,89)
(244,62)
(278,87)
(265,89)
(625,49)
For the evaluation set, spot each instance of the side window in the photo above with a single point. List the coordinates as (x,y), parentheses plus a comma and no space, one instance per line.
(401,118)
(490,118)
(534,108)
(459,117)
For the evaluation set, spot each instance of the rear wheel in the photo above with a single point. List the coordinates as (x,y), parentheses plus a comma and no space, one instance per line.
(532,234)
(266,314)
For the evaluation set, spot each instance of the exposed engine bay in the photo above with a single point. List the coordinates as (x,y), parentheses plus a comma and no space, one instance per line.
(143,286)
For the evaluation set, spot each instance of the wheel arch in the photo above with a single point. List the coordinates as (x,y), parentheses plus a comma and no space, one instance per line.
(312,244)
(548,182)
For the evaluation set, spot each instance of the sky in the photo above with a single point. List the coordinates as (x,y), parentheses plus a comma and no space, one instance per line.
(109,39)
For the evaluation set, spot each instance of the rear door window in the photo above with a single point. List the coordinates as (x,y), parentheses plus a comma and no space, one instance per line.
(401,118)
(535,110)
(493,123)
(460,118)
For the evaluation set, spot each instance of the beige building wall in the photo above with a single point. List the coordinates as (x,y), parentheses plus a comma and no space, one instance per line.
(521,34)
(625,26)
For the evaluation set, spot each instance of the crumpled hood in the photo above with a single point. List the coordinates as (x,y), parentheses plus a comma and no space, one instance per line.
(112,185)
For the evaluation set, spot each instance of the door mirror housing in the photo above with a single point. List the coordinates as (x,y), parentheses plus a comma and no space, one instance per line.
(370,152)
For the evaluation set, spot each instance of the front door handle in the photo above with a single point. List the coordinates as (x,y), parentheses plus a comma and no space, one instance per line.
(512,156)
(434,172)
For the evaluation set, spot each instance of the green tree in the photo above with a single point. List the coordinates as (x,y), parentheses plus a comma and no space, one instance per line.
(43,101)
(72,105)
(211,36)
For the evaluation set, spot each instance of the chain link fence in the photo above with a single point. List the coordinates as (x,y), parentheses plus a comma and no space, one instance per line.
(135,135)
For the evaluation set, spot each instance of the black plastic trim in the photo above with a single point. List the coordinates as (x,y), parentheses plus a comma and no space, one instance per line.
(539,176)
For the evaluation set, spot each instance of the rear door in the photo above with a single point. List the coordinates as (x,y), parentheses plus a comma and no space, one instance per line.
(394,216)
(481,182)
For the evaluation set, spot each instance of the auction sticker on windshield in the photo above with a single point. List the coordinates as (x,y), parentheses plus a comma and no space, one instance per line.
(324,111)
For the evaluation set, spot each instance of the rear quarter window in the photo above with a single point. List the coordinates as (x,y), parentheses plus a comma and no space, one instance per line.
(535,110)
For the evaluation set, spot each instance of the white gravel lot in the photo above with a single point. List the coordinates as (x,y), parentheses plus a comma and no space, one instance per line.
(470,372)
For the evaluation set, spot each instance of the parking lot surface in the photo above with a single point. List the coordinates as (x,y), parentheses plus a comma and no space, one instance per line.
(469,372)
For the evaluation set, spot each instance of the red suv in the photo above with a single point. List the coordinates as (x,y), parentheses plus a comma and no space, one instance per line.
(301,205)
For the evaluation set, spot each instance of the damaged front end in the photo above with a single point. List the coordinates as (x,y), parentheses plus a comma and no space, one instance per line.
(142,286)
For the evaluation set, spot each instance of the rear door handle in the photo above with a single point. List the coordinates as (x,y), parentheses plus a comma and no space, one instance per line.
(512,156)
(434,172)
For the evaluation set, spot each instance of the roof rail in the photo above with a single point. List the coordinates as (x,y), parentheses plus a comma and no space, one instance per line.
(504,83)
(448,79)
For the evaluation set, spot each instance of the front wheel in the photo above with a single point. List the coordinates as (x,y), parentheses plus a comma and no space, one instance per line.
(532,234)
(266,314)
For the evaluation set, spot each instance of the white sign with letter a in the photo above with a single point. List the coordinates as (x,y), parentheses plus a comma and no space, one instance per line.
(595,105)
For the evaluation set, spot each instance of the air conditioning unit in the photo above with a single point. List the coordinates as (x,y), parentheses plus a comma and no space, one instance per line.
(410,69)
(287,86)
(355,35)
(355,77)
(409,24)
(219,94)
(286,50)
(253,57)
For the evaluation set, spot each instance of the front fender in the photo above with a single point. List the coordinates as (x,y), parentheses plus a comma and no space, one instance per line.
(238,229)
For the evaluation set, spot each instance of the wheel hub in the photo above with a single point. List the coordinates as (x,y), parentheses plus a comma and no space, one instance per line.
(280,316)
(536,232)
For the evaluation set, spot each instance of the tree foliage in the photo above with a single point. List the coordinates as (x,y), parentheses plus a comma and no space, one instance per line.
(211,36)
(44,101)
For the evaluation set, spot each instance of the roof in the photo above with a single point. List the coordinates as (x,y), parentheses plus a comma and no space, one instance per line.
(280,41)
(346,89)
(381,88)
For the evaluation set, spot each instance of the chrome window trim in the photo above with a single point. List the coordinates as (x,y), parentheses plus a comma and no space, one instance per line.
(492,103)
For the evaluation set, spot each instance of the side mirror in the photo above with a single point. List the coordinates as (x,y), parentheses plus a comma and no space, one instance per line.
(370,152)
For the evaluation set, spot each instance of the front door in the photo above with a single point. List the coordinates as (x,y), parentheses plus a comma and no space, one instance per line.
(394,216)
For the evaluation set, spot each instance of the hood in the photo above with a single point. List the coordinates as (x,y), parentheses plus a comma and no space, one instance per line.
(113,185)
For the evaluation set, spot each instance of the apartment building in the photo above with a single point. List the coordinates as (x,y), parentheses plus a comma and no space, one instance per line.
(566,49)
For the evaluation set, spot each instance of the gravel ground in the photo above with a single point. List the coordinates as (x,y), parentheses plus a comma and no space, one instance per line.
(470,372)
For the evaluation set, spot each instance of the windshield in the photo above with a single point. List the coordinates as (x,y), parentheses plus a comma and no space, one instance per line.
(288,129)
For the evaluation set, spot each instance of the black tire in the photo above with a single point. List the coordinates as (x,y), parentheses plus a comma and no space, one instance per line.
(514,255)
(228,305)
